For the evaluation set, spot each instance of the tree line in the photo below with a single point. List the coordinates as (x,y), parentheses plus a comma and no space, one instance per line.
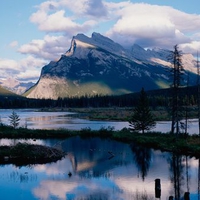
(156,98)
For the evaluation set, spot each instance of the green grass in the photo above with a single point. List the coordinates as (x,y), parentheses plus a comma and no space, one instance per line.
(186,145)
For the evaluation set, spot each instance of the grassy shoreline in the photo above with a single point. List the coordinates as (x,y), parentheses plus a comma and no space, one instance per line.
(120,113)
(185,145)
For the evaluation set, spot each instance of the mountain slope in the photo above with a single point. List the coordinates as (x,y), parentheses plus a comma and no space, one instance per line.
(15,86)
(6,95)
(98,65)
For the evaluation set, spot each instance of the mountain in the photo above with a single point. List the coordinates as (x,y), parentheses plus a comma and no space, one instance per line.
(15,86)
(98,65)
(4,93)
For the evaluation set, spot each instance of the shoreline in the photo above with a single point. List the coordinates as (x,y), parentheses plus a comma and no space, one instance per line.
(181,144)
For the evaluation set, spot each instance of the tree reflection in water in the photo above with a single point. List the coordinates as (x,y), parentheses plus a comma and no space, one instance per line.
(199,180)
(142,196)
(19,177)
(177,174)
(142,157)
(97,176)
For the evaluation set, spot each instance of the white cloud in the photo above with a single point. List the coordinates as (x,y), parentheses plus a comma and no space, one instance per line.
(152,25)
(9,64)
(78,7)
(48,5)
(50,48)
(31,62)
(9,68)
(55,22)
(58,21)
(191,47)
(28,68)
(144,24)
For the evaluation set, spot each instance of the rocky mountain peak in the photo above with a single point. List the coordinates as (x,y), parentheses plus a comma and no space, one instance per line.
(81,44)
(98,65)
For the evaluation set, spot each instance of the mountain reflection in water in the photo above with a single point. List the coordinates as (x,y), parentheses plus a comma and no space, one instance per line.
(97,168)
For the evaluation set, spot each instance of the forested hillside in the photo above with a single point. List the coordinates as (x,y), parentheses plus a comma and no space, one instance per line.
(156,98)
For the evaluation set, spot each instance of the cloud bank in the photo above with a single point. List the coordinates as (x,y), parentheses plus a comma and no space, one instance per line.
(153,26)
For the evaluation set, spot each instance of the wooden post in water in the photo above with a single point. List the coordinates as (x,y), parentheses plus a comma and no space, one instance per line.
(157,188)
(187,196)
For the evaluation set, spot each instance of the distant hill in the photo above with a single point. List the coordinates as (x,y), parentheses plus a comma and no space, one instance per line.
(98,65)
(15,86)
(6,93)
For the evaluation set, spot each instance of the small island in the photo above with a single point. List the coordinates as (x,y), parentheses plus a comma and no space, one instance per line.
(24,153)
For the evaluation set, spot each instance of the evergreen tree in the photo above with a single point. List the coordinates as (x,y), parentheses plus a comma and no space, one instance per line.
(14,119)
(142,119)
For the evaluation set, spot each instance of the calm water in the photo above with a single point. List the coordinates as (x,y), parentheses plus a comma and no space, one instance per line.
(101,169)
(127,172)
(66,120)
(56,120)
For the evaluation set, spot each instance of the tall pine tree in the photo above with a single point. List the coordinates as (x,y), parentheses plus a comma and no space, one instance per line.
(142,118)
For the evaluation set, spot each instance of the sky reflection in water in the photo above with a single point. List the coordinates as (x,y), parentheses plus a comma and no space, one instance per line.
(96,174)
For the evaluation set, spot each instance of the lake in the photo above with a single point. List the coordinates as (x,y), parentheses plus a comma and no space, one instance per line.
(101,169)
(67,120)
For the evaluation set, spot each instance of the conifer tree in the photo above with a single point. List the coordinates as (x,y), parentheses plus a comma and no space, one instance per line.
(142,118)
(14,119)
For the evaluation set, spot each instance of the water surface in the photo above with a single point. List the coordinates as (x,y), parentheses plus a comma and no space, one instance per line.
(101,169)
(34,119)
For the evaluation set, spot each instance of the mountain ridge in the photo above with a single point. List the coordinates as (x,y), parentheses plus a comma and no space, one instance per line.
(98,65)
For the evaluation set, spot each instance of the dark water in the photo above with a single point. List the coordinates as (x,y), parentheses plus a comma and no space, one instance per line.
(101,169)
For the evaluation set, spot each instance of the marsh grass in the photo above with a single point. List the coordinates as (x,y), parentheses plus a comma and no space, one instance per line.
(183,144)
(124,113)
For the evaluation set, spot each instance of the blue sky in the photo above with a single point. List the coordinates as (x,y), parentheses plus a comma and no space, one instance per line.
(34,32)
